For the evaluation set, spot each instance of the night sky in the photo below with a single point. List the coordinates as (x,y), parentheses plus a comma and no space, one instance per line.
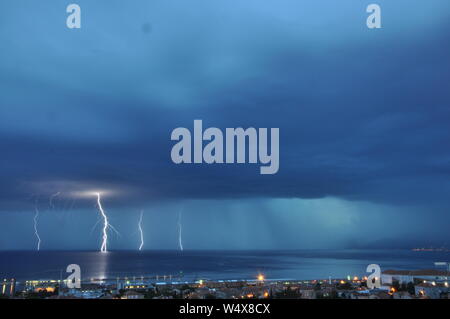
(364,118)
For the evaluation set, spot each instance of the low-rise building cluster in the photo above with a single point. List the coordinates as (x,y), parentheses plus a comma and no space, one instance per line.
(395,284)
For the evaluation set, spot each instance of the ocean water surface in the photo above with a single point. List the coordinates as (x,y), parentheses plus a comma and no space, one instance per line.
(295,264)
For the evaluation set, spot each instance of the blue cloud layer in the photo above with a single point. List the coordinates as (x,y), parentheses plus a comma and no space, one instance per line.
(363,114)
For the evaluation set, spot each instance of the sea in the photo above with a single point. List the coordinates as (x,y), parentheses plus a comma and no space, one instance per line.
(213,265)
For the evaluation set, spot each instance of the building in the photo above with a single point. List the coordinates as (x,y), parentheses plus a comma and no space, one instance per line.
(87,291)
(370,294)
(202,293)
(432,290)
(257,292)
(131,294)
(402,295)
(388,277)
(307,293)
(49,288)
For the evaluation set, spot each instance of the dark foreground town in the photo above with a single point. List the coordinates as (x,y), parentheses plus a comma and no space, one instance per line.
(395,284)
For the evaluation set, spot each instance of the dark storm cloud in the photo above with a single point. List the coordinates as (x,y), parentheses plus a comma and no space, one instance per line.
(362,115)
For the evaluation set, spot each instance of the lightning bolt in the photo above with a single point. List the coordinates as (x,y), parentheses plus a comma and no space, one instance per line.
(141,231)
(51,199)
(180,242)
(35,219)
(103,248)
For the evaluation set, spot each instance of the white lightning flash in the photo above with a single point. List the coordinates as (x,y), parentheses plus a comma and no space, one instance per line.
(51,199)
(103,248)
(35,219)
(180,241)
(141,231)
